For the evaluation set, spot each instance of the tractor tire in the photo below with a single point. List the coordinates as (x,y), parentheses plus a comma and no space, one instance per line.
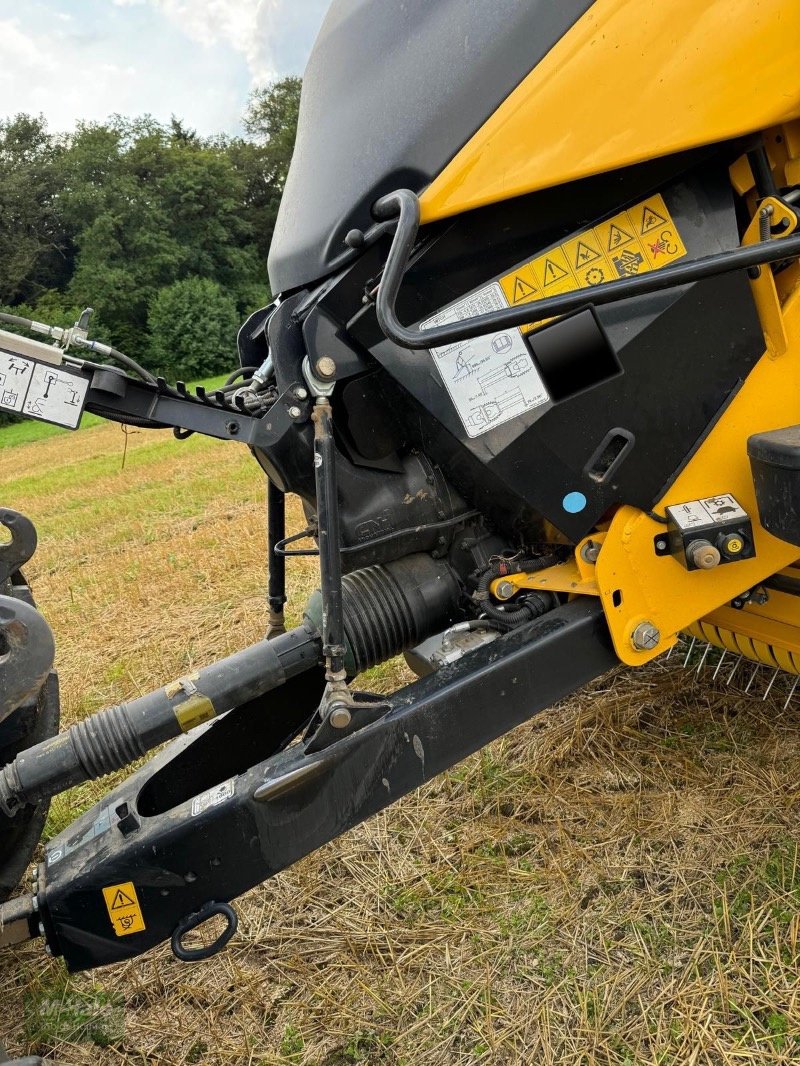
(32,722)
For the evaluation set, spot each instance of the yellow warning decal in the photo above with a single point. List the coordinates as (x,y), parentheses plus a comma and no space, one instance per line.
(123,908)
(635,241)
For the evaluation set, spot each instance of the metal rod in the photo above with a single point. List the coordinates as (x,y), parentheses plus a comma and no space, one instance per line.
(276,532)
(330,559)
(405,204)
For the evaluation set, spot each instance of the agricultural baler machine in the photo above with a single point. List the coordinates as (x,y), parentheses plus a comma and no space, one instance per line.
(534,373)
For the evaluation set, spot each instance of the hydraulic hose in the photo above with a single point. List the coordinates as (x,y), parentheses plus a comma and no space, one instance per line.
(536,604)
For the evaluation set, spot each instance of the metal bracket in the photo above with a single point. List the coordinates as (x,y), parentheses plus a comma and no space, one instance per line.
(22,545)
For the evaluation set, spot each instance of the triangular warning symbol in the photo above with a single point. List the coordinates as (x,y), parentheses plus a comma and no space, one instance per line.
(651,219)
(523,290)
(121,900)
(553,272)
(617,237)
(584,255)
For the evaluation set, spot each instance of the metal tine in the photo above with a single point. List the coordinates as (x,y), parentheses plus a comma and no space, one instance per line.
(220,398)
(703,658)
(771,683)
(733,671)
(752,677)
(689,652)
(791,691)
(719,664)
(201,393)
(181,387)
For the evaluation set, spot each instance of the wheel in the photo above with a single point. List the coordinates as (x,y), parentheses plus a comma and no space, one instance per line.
(32,722)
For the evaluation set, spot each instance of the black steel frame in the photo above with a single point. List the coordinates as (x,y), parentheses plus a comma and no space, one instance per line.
(187,856)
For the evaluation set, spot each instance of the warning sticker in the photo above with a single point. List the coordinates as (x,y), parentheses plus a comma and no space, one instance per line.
(635,241)
(490,379)
(123,908)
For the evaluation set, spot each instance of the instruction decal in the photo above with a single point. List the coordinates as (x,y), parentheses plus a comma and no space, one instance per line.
(123,908)
(41,391)
(490,379)
(635,241)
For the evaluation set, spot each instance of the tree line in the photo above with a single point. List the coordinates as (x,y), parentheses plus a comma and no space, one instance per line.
(164,232)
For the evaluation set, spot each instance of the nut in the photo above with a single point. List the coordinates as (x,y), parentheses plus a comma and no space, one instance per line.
(326,367)
(340,718)
(301,393)
(645,637)
(294,412)
(590,551)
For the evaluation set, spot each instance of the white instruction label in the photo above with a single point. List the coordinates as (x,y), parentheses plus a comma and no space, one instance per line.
(213,797)
(490,379)
(715,509)
(39,390)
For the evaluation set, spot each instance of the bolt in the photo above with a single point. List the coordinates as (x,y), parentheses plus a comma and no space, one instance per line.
(340,718)
(505,590)
(661,544)
(35,903)
(41,929)
(294,412)
(232,428)
(326,367)
(35,872)
(590,551)
(645,637)
(48,950)
(301,393)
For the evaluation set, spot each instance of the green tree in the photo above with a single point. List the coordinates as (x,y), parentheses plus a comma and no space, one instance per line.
(193,327)
(36,251)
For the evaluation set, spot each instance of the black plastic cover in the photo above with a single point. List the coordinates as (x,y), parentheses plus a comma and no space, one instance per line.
(391,92)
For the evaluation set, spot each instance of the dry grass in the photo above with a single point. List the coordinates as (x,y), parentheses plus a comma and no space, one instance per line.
(616,883)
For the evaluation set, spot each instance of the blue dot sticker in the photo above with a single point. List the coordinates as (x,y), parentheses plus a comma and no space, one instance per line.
(574,502)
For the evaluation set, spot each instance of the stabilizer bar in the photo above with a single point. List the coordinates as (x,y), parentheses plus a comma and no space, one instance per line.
(186,852)
(404,205)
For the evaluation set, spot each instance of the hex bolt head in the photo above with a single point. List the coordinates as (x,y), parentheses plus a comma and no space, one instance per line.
(294,412)
(301,393)
(505,590)
(232,428)
(326,367)
(645,637)
(340,718)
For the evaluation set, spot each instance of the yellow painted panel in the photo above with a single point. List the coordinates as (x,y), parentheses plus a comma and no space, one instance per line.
(661,590)
(631,80)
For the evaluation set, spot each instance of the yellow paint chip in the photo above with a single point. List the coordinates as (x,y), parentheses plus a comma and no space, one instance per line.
(123,908)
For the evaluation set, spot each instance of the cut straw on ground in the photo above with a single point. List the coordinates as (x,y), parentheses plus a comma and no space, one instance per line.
(616,883)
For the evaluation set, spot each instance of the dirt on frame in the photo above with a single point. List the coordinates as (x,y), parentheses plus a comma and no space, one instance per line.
(615,883)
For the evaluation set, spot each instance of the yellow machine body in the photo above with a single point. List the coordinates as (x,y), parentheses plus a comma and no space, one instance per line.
(632,80)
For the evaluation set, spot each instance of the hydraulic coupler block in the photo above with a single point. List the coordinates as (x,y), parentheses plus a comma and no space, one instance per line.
(703,534)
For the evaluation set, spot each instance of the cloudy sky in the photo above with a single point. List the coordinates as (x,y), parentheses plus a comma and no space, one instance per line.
(197,59)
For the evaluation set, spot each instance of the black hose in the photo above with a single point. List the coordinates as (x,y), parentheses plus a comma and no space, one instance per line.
(15,320)
(536,603)
(120,357)
(429,527)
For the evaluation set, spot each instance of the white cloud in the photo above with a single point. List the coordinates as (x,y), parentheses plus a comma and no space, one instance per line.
(197,59)
(273,36)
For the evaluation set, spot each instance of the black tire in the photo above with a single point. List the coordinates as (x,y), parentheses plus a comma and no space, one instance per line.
(28,725)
